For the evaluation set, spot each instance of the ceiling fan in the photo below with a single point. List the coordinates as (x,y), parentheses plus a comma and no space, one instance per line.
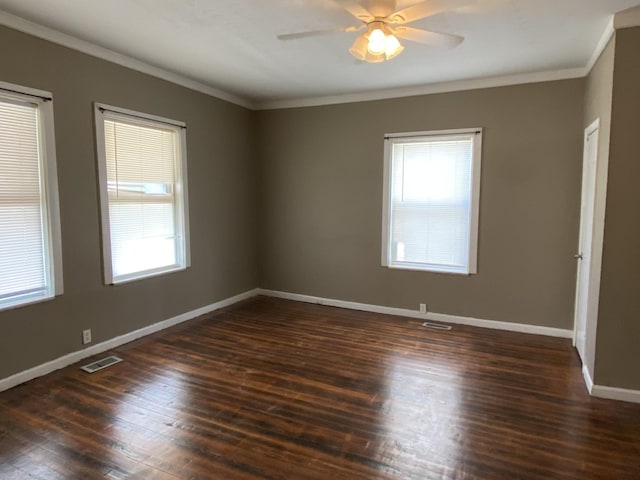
(383,25)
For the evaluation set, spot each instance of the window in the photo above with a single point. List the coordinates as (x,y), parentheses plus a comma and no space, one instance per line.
(143,194)
(431,197)
(30,253)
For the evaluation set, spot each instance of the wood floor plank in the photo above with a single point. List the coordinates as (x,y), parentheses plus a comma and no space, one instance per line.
(274,389)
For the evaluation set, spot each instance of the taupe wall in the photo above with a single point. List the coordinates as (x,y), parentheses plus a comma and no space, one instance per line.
(222,185)
(598,94)
(321,196)
(618,335)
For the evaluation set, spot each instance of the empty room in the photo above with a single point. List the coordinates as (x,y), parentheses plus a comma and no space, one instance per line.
(324,239)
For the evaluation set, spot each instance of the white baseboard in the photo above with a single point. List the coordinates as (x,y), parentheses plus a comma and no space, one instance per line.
(74,357)
(436,317)
(613,393)
(588,381)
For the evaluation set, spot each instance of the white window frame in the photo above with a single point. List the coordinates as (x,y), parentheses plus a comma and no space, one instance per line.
(389,142)
(181,192)
(49,199)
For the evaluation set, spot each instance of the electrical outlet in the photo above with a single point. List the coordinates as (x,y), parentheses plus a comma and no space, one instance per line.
(423,308)
(86,336)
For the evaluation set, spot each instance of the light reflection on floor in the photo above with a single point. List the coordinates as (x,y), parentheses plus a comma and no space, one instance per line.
(419,415)
(149,417)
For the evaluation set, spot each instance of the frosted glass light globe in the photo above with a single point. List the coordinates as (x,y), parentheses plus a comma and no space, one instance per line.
(377,42)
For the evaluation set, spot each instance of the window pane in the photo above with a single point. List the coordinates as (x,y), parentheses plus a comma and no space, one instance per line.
(22,259)
(430,208)
(142,237)
(137,153)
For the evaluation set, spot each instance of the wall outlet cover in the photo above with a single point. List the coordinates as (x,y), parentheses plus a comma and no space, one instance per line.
(86,336)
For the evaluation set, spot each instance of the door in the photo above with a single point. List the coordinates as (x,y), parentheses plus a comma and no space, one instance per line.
(585,317)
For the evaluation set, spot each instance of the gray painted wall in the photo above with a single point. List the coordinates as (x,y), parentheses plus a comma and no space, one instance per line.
(617,350)
(320,203)
(598,95)
(222,186)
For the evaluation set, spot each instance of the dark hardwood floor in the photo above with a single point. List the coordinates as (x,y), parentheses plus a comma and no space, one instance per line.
(273,389)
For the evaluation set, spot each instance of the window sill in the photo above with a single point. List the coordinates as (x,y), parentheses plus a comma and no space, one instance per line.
(133,277)
(429,268)
(26,301)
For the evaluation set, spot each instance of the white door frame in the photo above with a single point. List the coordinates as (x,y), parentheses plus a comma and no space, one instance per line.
(597,240)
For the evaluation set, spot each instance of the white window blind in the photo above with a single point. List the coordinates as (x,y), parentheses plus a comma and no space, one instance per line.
(431,204)
(143,172)
(28,243)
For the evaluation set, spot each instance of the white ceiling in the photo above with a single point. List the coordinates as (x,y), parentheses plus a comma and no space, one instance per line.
(231,45)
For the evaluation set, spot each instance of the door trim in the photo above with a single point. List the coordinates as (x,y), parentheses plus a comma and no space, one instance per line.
(597,244)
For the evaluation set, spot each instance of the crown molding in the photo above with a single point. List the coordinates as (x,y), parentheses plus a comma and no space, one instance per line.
(444,87)
(627,18)
(608,32)
(55,36)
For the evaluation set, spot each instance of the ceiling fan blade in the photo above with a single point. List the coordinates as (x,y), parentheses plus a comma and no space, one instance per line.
(355,9)
(427,37)
(318,33)
(420,10)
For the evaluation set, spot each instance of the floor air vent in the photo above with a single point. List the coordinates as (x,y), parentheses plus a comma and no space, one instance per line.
(437,326)
(100,364)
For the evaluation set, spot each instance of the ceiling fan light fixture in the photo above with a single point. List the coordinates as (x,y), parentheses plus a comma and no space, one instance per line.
(360,50)
(377,44)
